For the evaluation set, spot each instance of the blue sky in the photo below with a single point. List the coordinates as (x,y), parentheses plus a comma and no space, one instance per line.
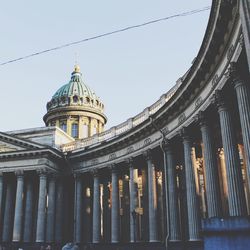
(128,71)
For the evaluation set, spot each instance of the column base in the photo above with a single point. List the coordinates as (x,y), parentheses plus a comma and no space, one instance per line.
(154,241)
(230,233)
(185,245)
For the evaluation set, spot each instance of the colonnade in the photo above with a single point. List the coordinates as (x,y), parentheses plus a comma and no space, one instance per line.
(157,192)
(116,177)
(213,176)
(31,206)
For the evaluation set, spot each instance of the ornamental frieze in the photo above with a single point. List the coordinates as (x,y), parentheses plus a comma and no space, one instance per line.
(198,102)
(181,118)
(147,141)
(215,80)
(230,52)
(112,156)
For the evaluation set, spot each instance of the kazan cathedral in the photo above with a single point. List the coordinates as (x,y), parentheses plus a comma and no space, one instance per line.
(175,177)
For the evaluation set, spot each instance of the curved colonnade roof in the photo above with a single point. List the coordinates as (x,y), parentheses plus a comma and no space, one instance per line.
(190,81)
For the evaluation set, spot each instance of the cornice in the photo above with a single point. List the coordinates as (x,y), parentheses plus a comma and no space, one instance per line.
(56,112)
(19,142)
(222,22)
(49,152)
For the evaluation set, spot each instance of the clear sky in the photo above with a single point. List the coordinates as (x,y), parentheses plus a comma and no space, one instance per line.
(128,71)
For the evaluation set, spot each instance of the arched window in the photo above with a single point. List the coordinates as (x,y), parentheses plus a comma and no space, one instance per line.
(63,126)
(85,130)
(74,130)
(75,98)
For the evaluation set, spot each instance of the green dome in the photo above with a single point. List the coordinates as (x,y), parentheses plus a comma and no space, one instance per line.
(74,93)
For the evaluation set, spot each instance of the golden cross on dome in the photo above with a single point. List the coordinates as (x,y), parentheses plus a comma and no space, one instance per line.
(77,67)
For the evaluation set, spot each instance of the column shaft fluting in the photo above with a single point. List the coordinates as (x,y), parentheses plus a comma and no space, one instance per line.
(236,197)
(78,209)
(96,210)
(50,224)
(174,219)
(115,213)
(211,171)
(18,216)
(132,204)
(59,212)
(1,201)
(152,202)
(194,224)
(28,216)
(7,221)
(243,98)
(41,213)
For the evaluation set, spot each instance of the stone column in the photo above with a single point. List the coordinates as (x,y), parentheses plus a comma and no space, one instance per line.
(59,212)
(28,216)
(152,202)
(78,209)
(18,216)
(115,209)
(243,98)
(1,201)
(132,200)
(236,196)
(211,169)
(96,208)
(245,20)
(194,224)
(8,212)
(41,213)
(172,197)
(50,223)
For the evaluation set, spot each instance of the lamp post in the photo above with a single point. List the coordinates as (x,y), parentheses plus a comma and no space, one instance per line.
(134,219)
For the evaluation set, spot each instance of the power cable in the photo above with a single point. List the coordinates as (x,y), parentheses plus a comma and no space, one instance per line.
(188,13)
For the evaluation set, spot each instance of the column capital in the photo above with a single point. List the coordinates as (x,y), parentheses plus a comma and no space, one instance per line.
(234,74)
(219,101)
(113,168)
(42,172)
(94,172)
(201,119)
(77,176)
(53,175)
(166,144)
(184,134)
(19,173)
(148,155)
(130,162)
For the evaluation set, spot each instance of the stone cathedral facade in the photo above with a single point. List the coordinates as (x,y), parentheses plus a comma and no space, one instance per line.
(176,176)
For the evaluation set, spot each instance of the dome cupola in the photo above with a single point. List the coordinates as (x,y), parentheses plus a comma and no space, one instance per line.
(76,109)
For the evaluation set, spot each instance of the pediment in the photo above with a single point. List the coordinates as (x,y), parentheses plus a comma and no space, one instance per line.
(7,147)
(9,143)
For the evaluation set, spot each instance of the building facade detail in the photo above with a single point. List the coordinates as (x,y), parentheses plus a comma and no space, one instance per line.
(175,175)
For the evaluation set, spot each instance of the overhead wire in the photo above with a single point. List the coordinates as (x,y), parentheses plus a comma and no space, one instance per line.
(187,13)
